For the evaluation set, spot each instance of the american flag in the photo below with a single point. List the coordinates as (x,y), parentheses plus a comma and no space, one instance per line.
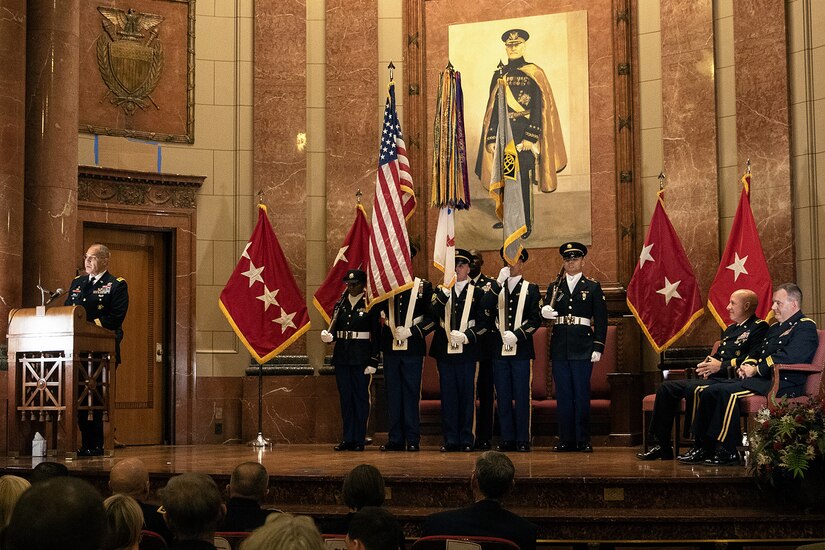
(390,269)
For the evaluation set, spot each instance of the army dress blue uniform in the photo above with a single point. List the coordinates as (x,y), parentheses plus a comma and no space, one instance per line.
(792,341)
(461,308)
(404,361)
(106,301)
(512,372)
(354,332)
(485,392)
(738,340)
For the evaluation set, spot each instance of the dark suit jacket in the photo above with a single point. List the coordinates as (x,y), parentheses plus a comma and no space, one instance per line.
(485,518)
(105,302)
(578,342)
(243,514)
(793,341)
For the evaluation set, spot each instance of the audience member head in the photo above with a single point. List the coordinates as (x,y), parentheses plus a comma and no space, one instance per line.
(285,532)
(48,470)
(130,477)
(63,512)
(193,505)
(249,480)
(373,528)
(363,486)
(493,475)
(125,520)
(11,489)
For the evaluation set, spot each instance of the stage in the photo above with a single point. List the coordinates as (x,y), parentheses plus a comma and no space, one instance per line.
(606,497)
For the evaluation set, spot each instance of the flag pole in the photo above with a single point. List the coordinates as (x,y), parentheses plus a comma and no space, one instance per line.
(260,441)
(662,188)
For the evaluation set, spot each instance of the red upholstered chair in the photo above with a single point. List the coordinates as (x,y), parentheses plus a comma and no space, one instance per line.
(430,406)
(149,540)
(749,406)
(647,410)
(454,542)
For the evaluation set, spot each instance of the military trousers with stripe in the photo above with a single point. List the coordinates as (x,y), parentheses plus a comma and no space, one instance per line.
(513,379)
(717,415)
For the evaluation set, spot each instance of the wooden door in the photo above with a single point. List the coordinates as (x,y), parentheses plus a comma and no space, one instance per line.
(139,257)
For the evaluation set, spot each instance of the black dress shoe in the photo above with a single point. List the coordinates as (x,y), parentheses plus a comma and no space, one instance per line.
(413,447)
(482,446)
(695,457)
(723,457)
(344,446)
(563,447)
(506,446)
(449,448)
(96,451)
(523,447)
(83,451)
(689,453)
(391,446)
(357,447)
(466,448)
(584,447)
(657,452)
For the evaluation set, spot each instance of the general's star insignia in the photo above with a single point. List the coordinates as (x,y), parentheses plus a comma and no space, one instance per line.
(246,250)
(738,266)
(645,256)
(268,298)
(670,291)
(340,256)
(254,274)
(285,320)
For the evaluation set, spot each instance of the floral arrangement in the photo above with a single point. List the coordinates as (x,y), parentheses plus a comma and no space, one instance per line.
(788,438)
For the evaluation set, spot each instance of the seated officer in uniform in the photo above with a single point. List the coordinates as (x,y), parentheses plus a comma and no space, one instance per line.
(738,340)
(454,346)
(355,357)
(579,316)
(514,312)
(792,339)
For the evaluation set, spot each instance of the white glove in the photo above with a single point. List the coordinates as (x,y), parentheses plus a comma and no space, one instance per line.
(402,333)
(595,356)
(369,370)
(509,338)
(445,292)
(326,336)
(549,313)
(457,337)
(503,274)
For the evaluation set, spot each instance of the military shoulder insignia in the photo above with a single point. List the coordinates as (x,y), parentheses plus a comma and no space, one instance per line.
(130,62)
(120,279)
(808,319)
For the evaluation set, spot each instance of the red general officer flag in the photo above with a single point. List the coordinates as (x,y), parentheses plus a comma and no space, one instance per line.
(353,254)
(742,265)
(663,293)
(261,300)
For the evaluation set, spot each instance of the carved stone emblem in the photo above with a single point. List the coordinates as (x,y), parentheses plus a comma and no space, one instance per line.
(130,57)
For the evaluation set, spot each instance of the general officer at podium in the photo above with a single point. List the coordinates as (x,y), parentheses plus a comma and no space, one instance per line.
(106,300)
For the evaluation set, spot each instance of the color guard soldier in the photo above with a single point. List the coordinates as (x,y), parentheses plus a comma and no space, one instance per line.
(454,346)
(354,331)
(484,379)
(738,340)
(579,332)
(514,312)
(405,320)
(792,339)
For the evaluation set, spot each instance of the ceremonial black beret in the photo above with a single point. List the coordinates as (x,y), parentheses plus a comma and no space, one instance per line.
(524,254)
(462,255)
(572,250)
(355,276)
(514,36)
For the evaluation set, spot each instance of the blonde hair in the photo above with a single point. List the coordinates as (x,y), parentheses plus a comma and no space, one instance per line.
(285,532)
(11,488)
(125,521)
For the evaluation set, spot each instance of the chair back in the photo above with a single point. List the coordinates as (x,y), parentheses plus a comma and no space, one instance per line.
(461,542)
(813,383)
(540,387)
(229,540)
(430,386)
(335,542)
(149,540)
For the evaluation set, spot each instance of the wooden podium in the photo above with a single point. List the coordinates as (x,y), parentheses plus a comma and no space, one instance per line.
(60,366)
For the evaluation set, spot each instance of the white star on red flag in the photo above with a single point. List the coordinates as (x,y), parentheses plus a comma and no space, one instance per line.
(268,298)
(645,255)
(254,273)
(738,266)
(285,320)
(670,291)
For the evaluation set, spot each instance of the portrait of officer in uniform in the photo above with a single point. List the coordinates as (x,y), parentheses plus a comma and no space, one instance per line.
(576,305)
(355,358)
(105,298)
(455,348)
(534,118)
(513,316)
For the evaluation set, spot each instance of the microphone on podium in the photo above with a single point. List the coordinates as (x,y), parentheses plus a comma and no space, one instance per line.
(54,295)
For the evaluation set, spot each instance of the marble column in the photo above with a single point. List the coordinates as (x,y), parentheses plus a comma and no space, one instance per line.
(50,214)
(12,122)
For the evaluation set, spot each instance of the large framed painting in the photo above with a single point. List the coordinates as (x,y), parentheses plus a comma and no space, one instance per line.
(137,69)
(570,105)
